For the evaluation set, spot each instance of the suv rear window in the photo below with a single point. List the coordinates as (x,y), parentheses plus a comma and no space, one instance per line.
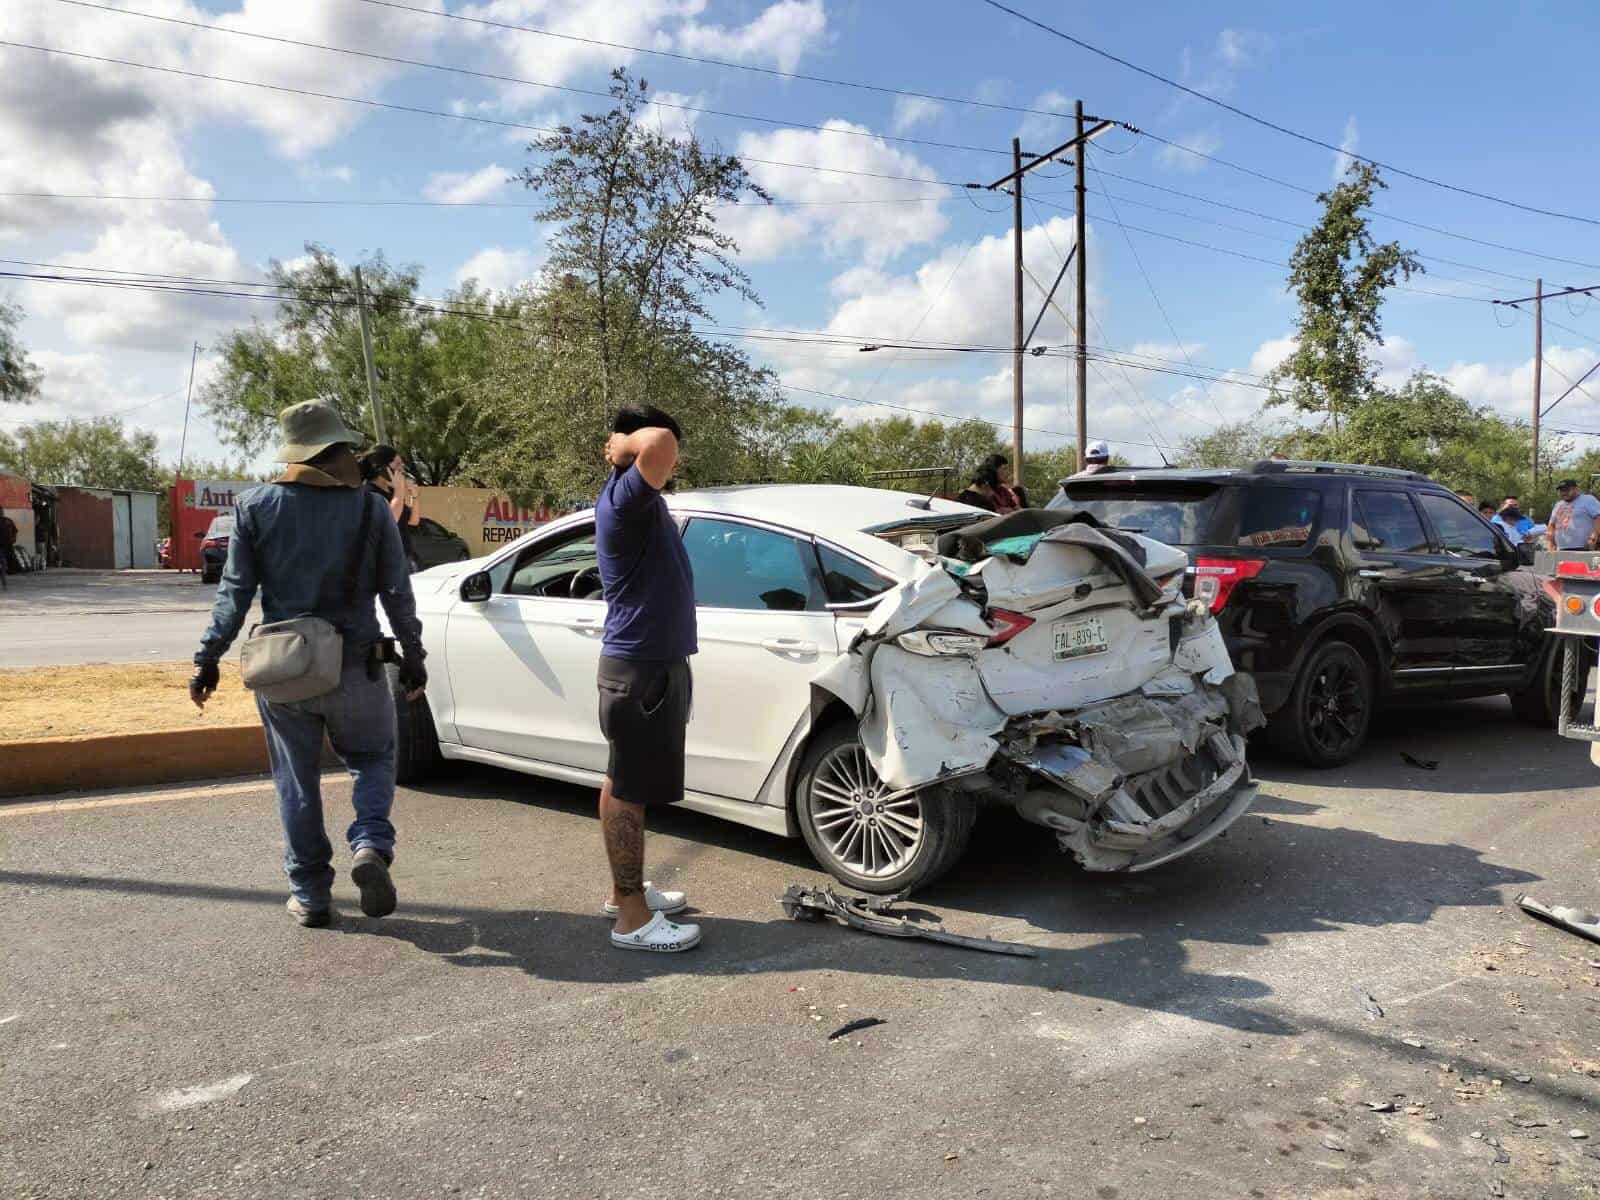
(1178,514)
(1277,516)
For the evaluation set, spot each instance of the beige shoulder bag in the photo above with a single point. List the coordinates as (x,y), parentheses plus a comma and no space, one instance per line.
(302,658)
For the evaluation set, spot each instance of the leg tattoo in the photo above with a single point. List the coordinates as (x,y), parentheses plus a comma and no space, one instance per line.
(623,828)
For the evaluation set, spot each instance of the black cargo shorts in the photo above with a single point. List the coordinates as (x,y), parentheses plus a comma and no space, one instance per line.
(644,715)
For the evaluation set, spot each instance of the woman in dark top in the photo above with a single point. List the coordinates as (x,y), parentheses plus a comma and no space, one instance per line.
(385,473)
(1008,496)
(980,493)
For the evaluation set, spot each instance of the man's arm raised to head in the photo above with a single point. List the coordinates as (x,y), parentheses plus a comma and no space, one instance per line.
(655,453)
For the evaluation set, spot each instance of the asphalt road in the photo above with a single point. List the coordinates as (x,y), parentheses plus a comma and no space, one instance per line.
(1198,1031)
(62,618)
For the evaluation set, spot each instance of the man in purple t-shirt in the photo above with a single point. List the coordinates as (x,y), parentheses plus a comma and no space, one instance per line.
(644,681)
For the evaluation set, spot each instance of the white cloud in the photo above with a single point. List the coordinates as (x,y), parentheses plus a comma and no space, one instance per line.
(829,211)
(1236,47)
(781,35)
(1347,147)
(466,187)
(1203,141)
(911,111)
(500,269)
(1038,129)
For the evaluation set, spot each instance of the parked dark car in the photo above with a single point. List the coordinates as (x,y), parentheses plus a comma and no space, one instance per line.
(1341,587)
(433,544)
(214,547)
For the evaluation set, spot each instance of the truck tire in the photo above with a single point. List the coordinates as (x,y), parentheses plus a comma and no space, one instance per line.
(416,742)
(866,843)
(1325,721)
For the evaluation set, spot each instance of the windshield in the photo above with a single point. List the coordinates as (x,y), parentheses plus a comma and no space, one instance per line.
(1180,515)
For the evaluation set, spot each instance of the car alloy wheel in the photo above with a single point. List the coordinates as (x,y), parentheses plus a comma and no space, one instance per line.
(1336,713)
(870,829)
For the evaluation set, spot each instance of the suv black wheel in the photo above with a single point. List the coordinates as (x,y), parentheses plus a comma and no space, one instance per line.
(867,836)
(416,749)
(1539,703)
(1325,721)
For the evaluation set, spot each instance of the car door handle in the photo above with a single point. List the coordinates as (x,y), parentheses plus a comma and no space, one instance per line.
(586,624)
(788,646)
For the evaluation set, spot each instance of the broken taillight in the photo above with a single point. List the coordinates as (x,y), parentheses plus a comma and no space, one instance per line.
(1215,578)
(1007,625)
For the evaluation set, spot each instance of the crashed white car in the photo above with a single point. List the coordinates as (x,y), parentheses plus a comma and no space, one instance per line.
(867,683)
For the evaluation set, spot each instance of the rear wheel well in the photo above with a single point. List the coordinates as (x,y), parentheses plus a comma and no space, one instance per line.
(1359,638)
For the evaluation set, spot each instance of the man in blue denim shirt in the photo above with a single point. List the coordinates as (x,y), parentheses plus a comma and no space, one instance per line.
(295,540)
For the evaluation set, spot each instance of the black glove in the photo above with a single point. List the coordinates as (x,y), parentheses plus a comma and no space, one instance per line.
(204,681)
(413,675)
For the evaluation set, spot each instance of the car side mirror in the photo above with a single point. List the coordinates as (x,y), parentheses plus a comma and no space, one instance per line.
(477,587)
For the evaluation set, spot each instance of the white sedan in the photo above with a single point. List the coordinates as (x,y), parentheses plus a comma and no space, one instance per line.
(856,687)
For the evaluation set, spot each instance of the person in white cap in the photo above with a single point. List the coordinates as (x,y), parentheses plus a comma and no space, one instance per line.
(1096,459)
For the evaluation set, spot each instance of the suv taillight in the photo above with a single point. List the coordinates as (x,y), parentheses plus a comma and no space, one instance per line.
(1007,625)
(1215,578)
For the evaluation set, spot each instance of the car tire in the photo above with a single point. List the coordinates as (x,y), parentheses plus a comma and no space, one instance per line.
(416,743)
(1328,715)
(1539,703)
(835,779)
(208,577)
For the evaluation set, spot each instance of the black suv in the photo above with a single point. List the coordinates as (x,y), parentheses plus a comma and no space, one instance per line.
(1339,587)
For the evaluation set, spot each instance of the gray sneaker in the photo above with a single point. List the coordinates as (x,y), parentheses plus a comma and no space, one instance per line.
(311,918)
(371,875)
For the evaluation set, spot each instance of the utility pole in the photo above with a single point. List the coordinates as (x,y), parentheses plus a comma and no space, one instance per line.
(1016,313)
(1538,371)
(188,395)
(366,354)
(1083,294)
(1018,170)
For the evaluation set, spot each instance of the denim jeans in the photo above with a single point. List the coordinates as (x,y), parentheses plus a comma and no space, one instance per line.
(358,718)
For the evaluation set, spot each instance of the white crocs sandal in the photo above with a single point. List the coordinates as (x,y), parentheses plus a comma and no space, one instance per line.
(656,900)
(660,935)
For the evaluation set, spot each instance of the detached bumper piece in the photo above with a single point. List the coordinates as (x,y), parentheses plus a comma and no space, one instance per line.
(872,916)
(1137,781)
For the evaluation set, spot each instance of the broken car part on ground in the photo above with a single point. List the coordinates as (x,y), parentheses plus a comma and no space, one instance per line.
(1056,666)
(876,916)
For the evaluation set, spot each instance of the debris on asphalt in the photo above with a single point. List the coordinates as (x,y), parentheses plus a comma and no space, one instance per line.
(1332,1143)
(1370,1003)
(1380,1106)
(872,916)
(1528,1123)
(1476,1135)
(1579,921)
(853,1026)
(1496,1188)
(1520,1078)
(1577,1135)
(1414,1043)
(1141,1120)
(1427,764)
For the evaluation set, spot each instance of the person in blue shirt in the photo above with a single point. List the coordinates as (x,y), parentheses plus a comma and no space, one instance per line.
(643,678)
(1512,522)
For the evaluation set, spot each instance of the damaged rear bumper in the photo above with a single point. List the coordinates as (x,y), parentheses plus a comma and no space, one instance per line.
(1137,781)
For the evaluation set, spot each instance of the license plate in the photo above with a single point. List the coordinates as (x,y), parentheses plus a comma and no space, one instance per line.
(1075,639)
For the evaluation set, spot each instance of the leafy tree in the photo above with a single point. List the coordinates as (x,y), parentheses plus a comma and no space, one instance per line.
(93,453)
(19,379)
(430,360)
(1237,444)
(637,215)
(1339,275)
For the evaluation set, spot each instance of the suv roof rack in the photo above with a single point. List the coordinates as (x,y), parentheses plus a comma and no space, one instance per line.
(1271,466)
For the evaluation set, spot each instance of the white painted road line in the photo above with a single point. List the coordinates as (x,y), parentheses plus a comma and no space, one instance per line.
(193,793)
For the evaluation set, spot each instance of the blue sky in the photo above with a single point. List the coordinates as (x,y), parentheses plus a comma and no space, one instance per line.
(1455,91)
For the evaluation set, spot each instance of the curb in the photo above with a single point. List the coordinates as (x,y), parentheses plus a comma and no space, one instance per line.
(69,764)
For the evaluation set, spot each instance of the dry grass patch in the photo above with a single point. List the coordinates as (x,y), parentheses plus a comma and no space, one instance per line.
(44,702)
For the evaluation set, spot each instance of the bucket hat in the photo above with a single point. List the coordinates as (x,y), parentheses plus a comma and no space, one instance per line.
(309,428)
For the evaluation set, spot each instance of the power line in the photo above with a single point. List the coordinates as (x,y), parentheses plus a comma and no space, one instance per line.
(148,199)
(496,78)
(1284,129)
(716,62)
(416,110)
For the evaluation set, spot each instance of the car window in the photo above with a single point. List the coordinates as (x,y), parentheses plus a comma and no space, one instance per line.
(568,566)
(1460,530)
(432,528)
(847,581)
(1279,516)
(1388,521)
(741,566)
(1179,514)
